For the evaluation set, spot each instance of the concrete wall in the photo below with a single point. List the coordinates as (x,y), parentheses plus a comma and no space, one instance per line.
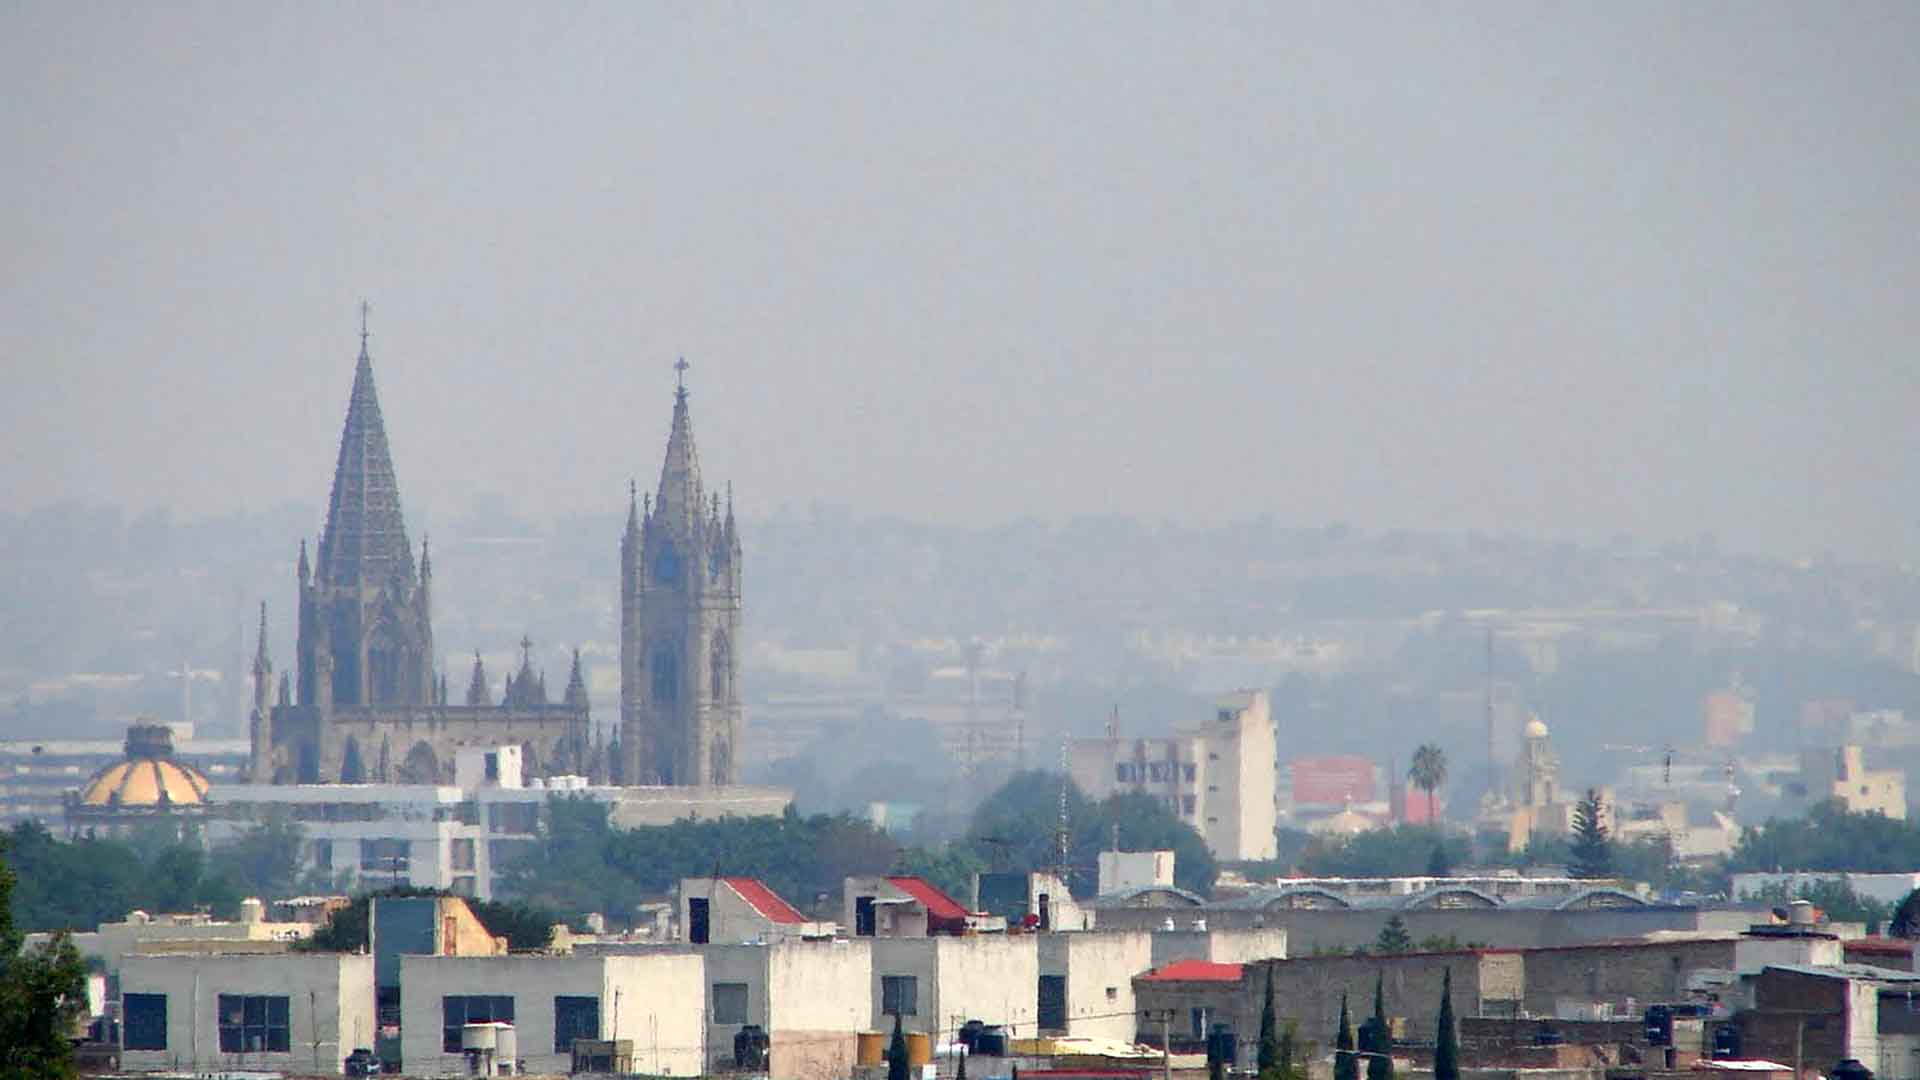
(990,977)
(1099,970)
(1783,1001)
(330,1008)
(1222,946)
(1307,992)
(1646,972)
(811,997)
(653,999)
(1311,931)
(639,807)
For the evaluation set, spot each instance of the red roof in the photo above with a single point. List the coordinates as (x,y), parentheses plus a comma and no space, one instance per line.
(1195,971)
(939,905)
(764,900)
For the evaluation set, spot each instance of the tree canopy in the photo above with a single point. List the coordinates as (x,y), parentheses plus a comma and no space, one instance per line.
(1592,851)
(43,992)
(1829,838)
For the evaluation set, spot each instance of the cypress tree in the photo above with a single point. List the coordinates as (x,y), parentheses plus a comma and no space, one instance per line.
(1345,1065)
(897,1052)
(1380,1065)
(1446,1047)
(960,1070)
(1269,1038)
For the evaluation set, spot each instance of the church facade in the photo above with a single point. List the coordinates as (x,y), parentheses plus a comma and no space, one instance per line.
(367,703)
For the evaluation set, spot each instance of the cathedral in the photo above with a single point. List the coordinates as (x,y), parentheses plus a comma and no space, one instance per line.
(368,703)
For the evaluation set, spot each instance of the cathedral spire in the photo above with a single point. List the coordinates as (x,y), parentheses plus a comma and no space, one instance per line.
(679,501)
(633,508)
(261,665)
(365,542)
(576,684)
(477,685)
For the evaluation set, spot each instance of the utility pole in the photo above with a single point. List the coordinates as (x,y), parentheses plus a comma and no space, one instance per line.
(1166,1045)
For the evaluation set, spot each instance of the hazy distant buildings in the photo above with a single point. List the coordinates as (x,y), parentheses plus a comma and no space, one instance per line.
(1217,775)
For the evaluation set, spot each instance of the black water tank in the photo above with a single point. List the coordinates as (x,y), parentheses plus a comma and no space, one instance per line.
(1659,1024)
(1850,1069)
(1726,1041)
(1222,1046)
(992,1040)
(750,1048)
(970,1033)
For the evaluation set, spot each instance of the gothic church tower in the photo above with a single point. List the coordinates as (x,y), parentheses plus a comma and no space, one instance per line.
(366,635)
(680,626)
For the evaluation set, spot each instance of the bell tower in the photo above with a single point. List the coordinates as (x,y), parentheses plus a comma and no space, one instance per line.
(679,624)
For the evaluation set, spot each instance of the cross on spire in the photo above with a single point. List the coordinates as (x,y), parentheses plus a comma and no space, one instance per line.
(680,367)
(365,310)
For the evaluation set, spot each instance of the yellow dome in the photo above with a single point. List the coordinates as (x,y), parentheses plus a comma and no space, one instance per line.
(1536,729)
(148,777)
(146,782)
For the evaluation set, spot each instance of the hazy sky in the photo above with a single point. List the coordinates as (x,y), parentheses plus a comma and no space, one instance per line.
(1555,268)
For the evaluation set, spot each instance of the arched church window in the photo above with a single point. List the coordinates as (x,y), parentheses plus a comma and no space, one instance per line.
(666,676)
(666,565)
(721,663)
(384,665)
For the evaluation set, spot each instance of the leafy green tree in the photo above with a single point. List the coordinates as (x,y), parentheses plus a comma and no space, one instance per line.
(1446,1047)
(1268,1054)
(1016,826)
(525,927)
(1345,1065)
(1437,864)
(1828,838)
(1906,917)
(1283,1067)
(1380,1064)
(1428,772)
(1592,848)
(1393,936)
(43,992)
(1401,850)
(1831,895)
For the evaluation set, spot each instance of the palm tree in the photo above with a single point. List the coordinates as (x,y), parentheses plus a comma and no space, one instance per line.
(1429,771)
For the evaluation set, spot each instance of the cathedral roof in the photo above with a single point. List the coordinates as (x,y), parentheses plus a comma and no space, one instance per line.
(366,539)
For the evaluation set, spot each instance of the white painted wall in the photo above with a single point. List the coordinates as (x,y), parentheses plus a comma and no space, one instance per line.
(330,1008)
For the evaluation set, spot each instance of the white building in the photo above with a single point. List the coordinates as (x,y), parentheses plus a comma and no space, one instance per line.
(934,983)
(652,999)
(295,1013)
(1086,983)
(739,909)
(461,837)
(1217,775)
(812,998)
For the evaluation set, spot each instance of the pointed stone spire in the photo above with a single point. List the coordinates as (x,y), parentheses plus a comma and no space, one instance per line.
(426,558)
(733,532)
(306,568)
(633,509)
(477,686)
(262,666)
(679,500)
(286,688)
(365,542)
(576,684)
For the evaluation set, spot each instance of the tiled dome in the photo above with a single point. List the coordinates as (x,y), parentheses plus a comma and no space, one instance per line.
(148,777)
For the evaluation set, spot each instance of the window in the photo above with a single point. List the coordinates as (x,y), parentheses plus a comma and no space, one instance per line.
(1186,805)
(145,1021)
(729,1003)
(1113,993)
(899,995)
(1122,773)
(457,1011)
(1053,1003)
(462,854)
(1199,1018)
(1226,716)
(465,885)
(574,1018)
(253,1023)
(666,676)
(384,856)
(1188,770)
